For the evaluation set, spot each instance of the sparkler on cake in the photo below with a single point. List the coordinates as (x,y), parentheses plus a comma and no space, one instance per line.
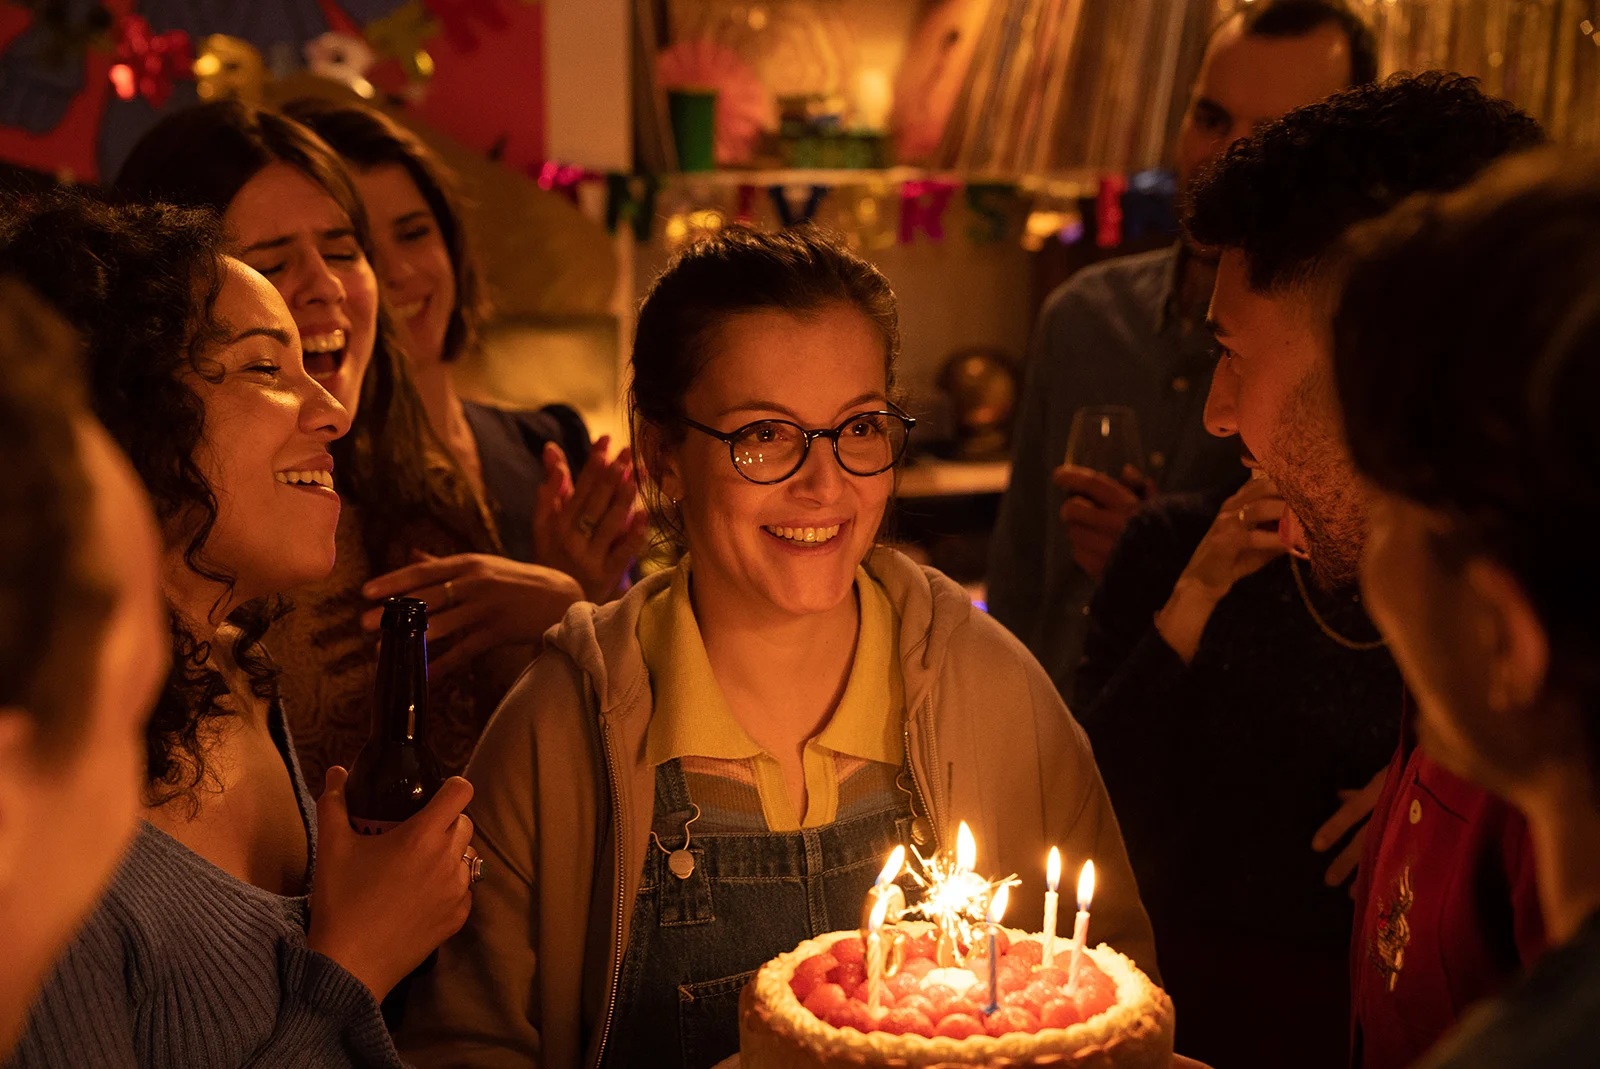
(953,987)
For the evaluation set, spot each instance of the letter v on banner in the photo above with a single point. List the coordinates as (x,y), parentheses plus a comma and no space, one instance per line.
(797,204)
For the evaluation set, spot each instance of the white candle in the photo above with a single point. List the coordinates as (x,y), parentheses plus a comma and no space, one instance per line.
(1080,928)
(876,952)
(1052,902)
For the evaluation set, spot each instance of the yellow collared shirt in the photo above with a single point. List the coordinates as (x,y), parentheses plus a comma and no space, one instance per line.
(691,720)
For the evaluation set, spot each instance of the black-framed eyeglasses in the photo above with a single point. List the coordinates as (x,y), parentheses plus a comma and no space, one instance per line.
(770,450)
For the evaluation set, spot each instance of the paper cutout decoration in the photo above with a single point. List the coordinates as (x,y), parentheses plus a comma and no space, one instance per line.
(745,107)
(343,58)
(149,63)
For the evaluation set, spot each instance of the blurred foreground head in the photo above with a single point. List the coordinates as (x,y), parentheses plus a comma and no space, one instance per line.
(83,647)
(1467,357)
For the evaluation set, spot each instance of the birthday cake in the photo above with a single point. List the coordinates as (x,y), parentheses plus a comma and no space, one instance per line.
(815,1007)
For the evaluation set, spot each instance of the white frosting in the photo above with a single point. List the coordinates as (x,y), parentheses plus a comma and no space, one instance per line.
(957,980)
(1135,996)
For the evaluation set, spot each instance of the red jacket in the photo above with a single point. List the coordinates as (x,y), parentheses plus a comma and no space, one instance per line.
(1447,910)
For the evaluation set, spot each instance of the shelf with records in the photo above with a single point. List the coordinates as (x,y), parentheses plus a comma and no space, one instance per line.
(1028,87)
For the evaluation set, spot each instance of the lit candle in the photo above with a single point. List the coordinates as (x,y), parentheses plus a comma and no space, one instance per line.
(892,867)
(1052,871)
(966,848)
(997,909)
(875,956)
(1080,928)
(964,886)
(885,887)
(969,884)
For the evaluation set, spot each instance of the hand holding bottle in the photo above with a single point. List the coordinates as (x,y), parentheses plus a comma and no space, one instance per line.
(383,903)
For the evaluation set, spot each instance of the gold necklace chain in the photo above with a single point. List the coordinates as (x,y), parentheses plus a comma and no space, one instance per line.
(1322,625)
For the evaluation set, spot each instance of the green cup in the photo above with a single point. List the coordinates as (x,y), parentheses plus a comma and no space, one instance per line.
(694,127)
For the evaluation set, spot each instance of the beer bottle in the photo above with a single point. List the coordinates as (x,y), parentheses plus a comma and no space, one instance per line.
(395,774)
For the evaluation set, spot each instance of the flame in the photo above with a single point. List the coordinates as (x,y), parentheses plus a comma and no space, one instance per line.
(880,910)
(955,898)
(892,867)
(1086,885)
(997,904)
(1052,869)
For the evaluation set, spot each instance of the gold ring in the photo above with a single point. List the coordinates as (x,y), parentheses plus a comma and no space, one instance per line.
(449,594)
(1242,521)
(586,527)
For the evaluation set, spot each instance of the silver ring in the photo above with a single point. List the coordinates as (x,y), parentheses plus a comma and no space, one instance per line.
(586,527)
(474,868)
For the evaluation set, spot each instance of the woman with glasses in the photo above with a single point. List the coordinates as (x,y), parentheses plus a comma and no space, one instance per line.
(701,775)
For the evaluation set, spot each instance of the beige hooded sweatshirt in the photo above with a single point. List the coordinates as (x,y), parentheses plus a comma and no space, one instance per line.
(565,798)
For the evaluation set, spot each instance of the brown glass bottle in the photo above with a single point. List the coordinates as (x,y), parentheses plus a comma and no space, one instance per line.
(395,774)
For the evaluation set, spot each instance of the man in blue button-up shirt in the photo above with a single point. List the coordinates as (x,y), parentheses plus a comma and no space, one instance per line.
(1131,332)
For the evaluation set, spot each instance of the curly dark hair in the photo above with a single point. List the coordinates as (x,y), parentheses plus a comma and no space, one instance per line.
(391,463)
(141,283)
(800,270)
(54,600)
(1284,195)
(1465,355)
(367,138)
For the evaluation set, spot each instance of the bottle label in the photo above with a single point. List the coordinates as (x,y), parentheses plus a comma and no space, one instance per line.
(372,827)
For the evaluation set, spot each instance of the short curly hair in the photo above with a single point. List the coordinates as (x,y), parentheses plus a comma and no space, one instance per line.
(1466,352)
(1285,195)
(140,282)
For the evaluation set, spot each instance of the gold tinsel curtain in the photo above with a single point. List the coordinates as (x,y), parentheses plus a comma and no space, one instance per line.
(1080,87)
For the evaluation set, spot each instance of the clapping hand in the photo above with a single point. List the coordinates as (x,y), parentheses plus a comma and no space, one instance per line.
(1355,808)
(591,527)
(1098,509)
(383,903)
(476,602)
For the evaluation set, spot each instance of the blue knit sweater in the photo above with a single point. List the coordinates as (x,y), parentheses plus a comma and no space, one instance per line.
(182,965)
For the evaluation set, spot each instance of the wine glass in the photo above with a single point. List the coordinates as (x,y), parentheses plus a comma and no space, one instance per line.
(1106,439)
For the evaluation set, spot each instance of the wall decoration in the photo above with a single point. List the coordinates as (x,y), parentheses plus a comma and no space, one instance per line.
(745,109)
(82,80)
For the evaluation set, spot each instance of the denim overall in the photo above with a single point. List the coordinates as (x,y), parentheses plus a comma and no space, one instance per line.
(752,896)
